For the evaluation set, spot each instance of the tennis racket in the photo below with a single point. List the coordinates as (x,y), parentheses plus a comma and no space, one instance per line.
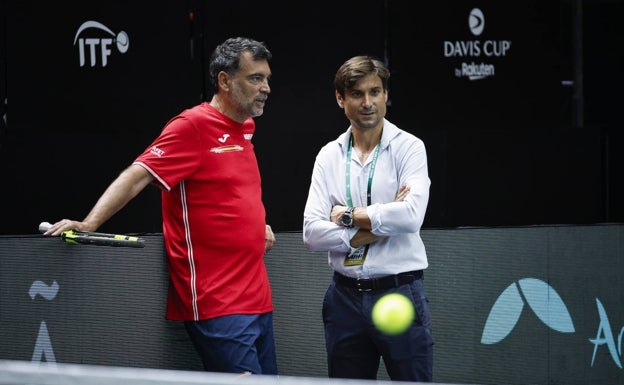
(75,237)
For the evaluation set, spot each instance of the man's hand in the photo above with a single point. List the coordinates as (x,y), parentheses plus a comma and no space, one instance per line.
(68,224)
(336,213)
(269,239)
(402,194)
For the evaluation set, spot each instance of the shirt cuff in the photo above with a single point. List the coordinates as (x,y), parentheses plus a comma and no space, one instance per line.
(374,213)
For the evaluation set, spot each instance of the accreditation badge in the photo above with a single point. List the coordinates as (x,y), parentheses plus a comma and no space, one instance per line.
(356,258)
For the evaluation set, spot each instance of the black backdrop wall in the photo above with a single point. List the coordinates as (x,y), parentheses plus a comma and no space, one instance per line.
(520,121)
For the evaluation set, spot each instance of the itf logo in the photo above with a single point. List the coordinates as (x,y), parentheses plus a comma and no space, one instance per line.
(99,47)
(550,309)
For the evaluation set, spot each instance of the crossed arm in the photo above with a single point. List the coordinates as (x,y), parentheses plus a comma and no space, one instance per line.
(362,221)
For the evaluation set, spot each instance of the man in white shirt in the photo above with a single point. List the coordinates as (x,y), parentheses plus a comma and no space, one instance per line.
(366,204)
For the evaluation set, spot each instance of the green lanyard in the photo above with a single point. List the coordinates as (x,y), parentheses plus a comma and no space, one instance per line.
(362,256)
(370,175)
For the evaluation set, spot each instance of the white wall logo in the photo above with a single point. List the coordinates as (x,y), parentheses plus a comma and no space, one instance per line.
(43,352)
(476,21)
(474,49)
(96,48)
(549,308)
(545,302)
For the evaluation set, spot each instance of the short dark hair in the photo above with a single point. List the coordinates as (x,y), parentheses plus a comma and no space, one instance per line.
(226,56)
(356,68)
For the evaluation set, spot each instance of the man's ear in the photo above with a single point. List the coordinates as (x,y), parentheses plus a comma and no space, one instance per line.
(339,100)
(223,80)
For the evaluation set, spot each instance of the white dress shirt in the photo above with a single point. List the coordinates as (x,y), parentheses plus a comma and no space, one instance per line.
(402,160)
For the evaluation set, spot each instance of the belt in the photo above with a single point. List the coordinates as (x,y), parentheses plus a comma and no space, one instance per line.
(387,282)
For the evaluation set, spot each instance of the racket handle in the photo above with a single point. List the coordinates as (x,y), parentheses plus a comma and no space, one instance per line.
(95,238)
(101,239)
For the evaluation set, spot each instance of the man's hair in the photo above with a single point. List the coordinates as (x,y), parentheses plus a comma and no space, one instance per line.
(356,68)
(226,56)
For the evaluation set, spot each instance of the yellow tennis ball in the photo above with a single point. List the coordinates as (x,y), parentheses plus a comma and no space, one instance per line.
(393,314)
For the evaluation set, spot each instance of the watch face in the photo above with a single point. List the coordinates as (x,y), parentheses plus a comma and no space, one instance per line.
(347,218)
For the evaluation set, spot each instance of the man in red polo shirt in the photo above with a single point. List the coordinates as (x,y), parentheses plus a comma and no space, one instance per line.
(213,216)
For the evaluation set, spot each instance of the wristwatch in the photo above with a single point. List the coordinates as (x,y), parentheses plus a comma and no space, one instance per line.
(347,218)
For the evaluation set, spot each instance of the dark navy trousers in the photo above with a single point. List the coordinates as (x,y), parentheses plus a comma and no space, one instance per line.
(355,347)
